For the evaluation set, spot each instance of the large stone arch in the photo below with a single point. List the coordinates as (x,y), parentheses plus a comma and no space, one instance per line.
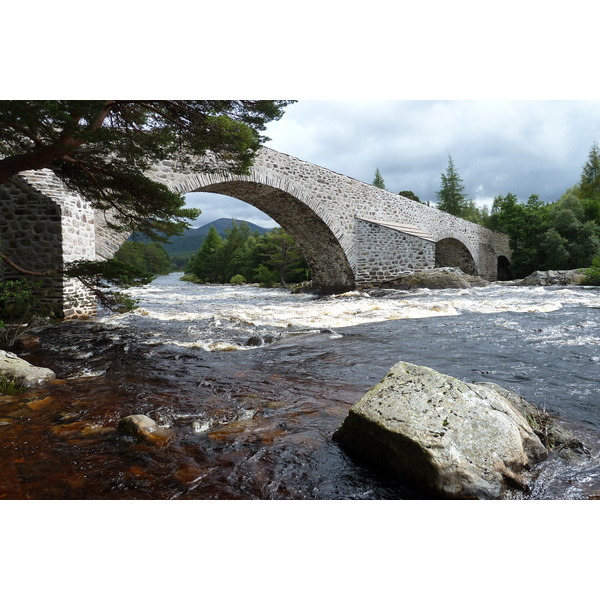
(327,214)
(504,272)
(326,249)
(350,232)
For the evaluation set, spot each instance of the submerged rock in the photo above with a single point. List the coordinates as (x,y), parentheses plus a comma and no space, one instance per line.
(449,438)
(28,341)
(440,278)
(571,277)
(257,340)
(22,372)
(144,428)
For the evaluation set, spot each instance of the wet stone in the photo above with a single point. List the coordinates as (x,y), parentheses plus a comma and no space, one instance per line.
(39,404)
(143,428)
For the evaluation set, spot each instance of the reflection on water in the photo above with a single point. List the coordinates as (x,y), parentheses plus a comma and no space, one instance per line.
(253,383)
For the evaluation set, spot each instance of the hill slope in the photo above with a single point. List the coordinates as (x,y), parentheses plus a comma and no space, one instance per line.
(182,247)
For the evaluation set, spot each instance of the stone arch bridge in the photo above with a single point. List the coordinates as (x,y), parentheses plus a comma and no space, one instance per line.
(350,232)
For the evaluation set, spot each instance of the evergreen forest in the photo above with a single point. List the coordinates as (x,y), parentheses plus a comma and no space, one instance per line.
(564,234)
(245,256)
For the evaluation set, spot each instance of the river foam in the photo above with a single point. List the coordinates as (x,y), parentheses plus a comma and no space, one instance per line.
(224,317)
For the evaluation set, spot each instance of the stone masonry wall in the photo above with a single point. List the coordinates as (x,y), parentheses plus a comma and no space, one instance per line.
(108,241)
(337,200)
(385,253)
(31,235)
(44,226)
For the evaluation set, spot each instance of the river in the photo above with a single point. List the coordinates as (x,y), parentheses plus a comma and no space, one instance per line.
(253,382)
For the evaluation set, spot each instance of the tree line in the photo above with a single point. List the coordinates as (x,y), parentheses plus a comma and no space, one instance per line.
(559,235)
(244,256)
(147,257)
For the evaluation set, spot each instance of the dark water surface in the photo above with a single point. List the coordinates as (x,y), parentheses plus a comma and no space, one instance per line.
(255,421)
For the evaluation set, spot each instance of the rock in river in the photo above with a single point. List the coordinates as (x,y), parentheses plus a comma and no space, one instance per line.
(571,277)
(434,279)
(439,434)
(144,428)
(21,371)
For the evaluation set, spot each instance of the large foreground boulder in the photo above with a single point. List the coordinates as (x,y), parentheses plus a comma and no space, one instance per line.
(441,435)
(24,373)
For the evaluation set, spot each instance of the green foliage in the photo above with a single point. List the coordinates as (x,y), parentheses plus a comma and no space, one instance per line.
(278,251)
(410,195)
(10,386)
(18,308)
(16,301)
(107,273)
(268,259)
(561,235)
(526,224)
(592,274)
(265,276)
(105,278)
(16,297)
(475,214)
(589,183)
(237,280)
(555,246)
(205,264)
(191,278)
(102,149)
(451,196)
(149,258)
(378,180)
(235,253)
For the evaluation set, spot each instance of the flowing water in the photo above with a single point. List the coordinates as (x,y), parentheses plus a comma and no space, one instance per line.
(253,382)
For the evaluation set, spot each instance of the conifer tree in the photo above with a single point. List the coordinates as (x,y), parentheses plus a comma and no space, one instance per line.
(378,181)
(452,198)
(205,263)
(104,148)
(589,185)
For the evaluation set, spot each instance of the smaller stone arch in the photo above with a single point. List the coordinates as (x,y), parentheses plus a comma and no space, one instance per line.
(504,272)
(450,252)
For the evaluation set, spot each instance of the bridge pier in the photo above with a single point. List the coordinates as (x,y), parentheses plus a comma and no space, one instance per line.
(376,262)
(43,226)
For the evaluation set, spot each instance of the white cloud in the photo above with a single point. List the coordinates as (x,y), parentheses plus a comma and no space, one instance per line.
(523,147)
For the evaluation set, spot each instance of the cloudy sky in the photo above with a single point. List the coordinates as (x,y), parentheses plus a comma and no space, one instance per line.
(523,147)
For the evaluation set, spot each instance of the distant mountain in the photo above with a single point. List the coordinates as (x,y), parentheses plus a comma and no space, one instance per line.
(221,225)
(185,245)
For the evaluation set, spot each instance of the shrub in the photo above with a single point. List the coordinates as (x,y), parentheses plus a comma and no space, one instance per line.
(592,273)
(265,276)
(191,278)
(10,386)
(237,279)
